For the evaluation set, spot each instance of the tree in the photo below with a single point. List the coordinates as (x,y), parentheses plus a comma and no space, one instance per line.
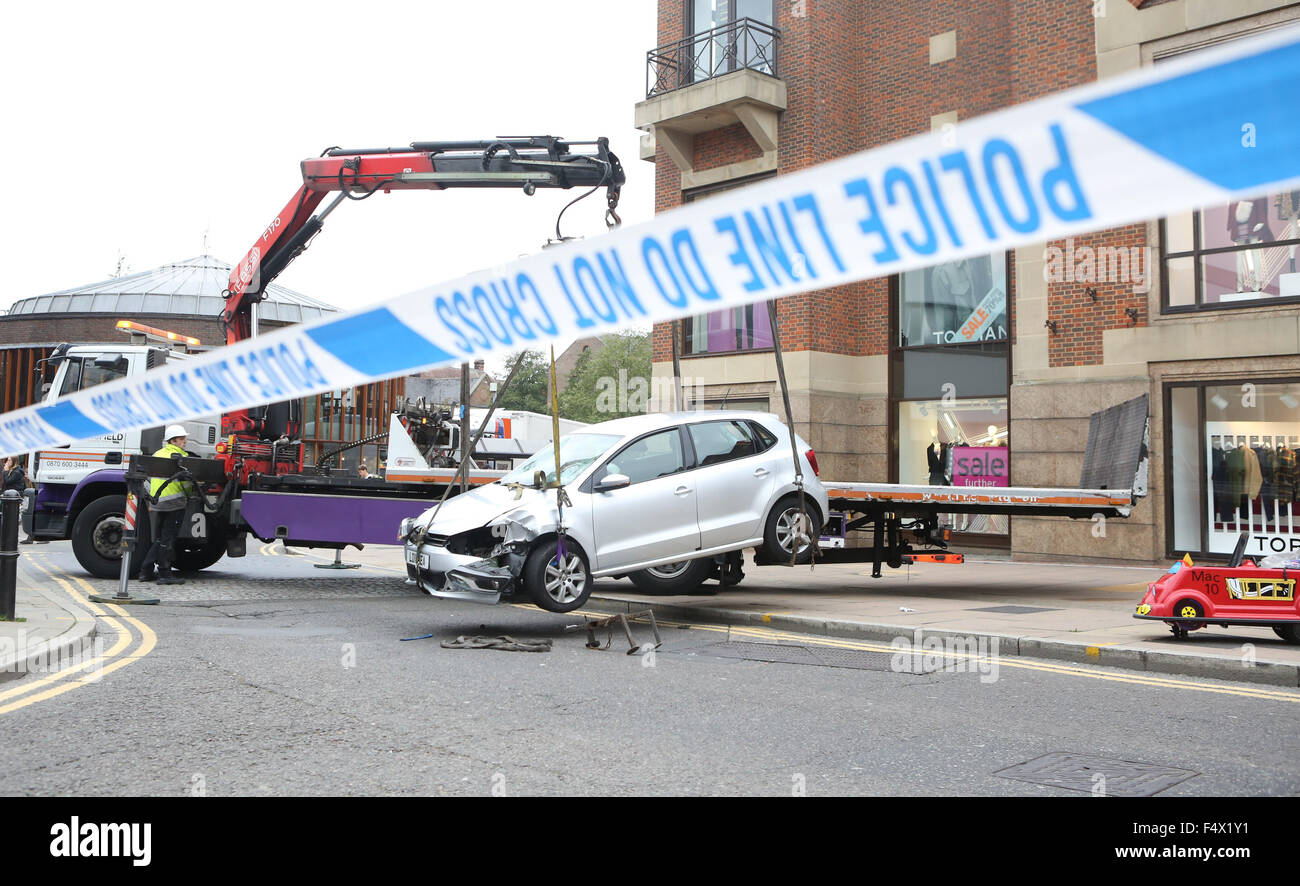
(529,389)
(610,383)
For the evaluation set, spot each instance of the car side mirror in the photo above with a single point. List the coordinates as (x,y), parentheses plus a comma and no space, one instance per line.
(612,482)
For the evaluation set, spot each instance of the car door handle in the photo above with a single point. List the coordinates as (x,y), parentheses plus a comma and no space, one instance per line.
(682,490)
(761,472)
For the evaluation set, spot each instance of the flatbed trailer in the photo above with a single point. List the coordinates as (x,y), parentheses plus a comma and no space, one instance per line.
(904,519)
(893,512)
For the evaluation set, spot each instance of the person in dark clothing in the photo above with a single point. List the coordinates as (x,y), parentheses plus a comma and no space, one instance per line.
(167,500)
(15,478)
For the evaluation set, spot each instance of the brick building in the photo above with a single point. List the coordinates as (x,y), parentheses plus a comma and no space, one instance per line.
(1201,311)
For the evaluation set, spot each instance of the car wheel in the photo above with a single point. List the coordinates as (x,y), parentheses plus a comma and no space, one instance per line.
(681,577)
(1189,609)
(553,585)
(783,524)
(1289,632)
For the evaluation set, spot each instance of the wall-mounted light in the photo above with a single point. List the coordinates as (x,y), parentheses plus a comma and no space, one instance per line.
(1051,324)
(1091,292)
(1132,314)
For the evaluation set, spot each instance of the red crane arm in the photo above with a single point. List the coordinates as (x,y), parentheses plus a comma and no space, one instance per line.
(526,163)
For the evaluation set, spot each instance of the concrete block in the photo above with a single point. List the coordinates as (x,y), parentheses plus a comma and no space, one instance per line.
(943,47)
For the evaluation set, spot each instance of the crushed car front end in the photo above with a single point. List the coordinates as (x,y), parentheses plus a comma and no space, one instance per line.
(480,564)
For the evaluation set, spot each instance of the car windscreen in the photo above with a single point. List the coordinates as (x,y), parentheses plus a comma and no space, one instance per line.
(577,451)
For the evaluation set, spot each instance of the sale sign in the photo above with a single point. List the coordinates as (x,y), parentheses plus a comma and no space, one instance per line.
(981,466)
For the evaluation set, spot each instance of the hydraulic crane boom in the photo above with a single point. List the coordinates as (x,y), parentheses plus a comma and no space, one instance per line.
(525,163)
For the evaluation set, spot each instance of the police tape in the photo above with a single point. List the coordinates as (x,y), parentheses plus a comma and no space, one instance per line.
(1183,135)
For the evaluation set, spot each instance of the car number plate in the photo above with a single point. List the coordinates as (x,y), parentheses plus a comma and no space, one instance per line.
(420,560)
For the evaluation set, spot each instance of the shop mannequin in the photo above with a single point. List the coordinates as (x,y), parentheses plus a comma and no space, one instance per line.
(1267,462)
(936,457)
(1244,478)
(1286,475)
(1288,211)
(1248,223)
(1219,479)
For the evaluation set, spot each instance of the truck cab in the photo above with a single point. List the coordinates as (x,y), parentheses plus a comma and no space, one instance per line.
(80,489)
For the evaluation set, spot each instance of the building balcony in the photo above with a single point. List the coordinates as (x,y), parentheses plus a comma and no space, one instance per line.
(709,81)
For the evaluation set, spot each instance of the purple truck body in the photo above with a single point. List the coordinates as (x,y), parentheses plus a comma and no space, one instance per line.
(334,519)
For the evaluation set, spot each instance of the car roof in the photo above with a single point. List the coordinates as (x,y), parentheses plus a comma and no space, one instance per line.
(639,424)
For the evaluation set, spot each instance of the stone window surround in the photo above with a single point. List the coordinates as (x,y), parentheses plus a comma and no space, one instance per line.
(1128,39)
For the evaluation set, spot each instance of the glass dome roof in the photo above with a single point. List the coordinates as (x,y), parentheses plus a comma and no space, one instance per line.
(192,287)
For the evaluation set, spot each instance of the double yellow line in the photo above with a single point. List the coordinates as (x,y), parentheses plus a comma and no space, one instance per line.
(127,648)
(1015,662)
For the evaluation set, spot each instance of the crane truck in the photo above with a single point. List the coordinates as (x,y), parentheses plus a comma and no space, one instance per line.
(248,463)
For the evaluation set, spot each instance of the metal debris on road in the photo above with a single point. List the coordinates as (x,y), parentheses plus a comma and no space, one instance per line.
(503,642)
(608,623)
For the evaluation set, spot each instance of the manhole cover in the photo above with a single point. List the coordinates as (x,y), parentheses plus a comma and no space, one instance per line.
(1015,610)
(1111,778)
(827,657)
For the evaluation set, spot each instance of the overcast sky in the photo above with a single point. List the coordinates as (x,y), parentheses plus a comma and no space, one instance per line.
(139,129)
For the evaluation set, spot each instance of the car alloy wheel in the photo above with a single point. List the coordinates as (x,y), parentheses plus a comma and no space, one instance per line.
(791,524)
(669,571)
(565,582)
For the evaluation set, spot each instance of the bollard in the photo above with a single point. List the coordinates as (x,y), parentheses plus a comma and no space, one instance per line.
(134,513)
(9,503)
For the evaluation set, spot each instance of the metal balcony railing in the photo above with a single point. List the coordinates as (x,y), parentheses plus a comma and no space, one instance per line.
(745,43)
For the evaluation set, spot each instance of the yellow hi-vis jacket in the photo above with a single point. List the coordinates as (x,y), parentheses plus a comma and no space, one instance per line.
(170,496)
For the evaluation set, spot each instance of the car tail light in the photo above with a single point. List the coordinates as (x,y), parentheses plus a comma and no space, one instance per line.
(812,460)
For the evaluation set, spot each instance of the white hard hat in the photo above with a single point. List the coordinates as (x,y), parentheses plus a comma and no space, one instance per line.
(174,431)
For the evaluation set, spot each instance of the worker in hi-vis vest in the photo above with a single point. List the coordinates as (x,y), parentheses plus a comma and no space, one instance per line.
(166,510)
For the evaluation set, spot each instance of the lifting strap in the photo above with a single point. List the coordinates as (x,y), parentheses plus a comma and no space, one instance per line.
(561,557)
(804,526)
(462,474)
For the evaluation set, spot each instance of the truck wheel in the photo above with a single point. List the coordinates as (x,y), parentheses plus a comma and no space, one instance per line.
(555,586)
(681,577)
(192,558)
(782,524)
(97,536)
(1289,632)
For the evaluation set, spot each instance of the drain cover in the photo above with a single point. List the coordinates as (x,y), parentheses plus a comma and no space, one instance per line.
(1113,778)
(827,657)
(1015,610)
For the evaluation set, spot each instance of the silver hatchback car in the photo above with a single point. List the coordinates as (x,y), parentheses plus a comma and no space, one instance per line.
(665,499)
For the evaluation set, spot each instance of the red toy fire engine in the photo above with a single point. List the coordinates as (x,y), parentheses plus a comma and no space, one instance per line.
(1189,597)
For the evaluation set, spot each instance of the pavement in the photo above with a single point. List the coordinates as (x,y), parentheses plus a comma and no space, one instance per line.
(1075,613)
(50,631)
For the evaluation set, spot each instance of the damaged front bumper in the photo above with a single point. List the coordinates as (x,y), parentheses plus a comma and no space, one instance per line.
(439,572)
